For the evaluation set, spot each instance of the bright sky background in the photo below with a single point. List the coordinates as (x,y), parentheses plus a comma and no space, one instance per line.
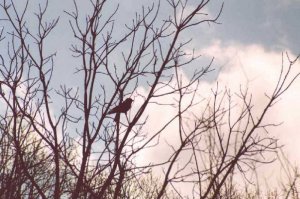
(248,44)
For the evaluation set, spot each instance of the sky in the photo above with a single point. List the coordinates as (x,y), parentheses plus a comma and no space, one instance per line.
(247,46)
(272,24)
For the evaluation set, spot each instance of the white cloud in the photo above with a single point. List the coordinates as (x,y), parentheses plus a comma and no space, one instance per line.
(261,69)
(252,65)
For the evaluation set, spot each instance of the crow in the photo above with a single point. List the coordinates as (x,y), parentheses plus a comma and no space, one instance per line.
(122,108)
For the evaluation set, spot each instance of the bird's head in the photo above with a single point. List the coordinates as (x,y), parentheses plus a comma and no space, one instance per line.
(129,100)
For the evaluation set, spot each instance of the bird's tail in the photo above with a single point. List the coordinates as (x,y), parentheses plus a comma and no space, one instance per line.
(117,117)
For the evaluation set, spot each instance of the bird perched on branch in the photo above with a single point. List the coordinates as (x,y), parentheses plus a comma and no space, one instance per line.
(123,107)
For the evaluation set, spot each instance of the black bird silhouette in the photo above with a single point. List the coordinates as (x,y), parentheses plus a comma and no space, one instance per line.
(123,107)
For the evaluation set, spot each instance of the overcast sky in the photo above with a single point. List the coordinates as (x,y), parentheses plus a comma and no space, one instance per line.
(248,43)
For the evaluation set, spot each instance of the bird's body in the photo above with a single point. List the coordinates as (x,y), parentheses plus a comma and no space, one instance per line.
(122,108)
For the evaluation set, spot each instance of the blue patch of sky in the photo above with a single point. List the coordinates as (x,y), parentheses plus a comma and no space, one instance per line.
(274,26)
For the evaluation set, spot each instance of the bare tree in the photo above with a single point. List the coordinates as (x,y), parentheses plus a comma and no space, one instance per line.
(80,152)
